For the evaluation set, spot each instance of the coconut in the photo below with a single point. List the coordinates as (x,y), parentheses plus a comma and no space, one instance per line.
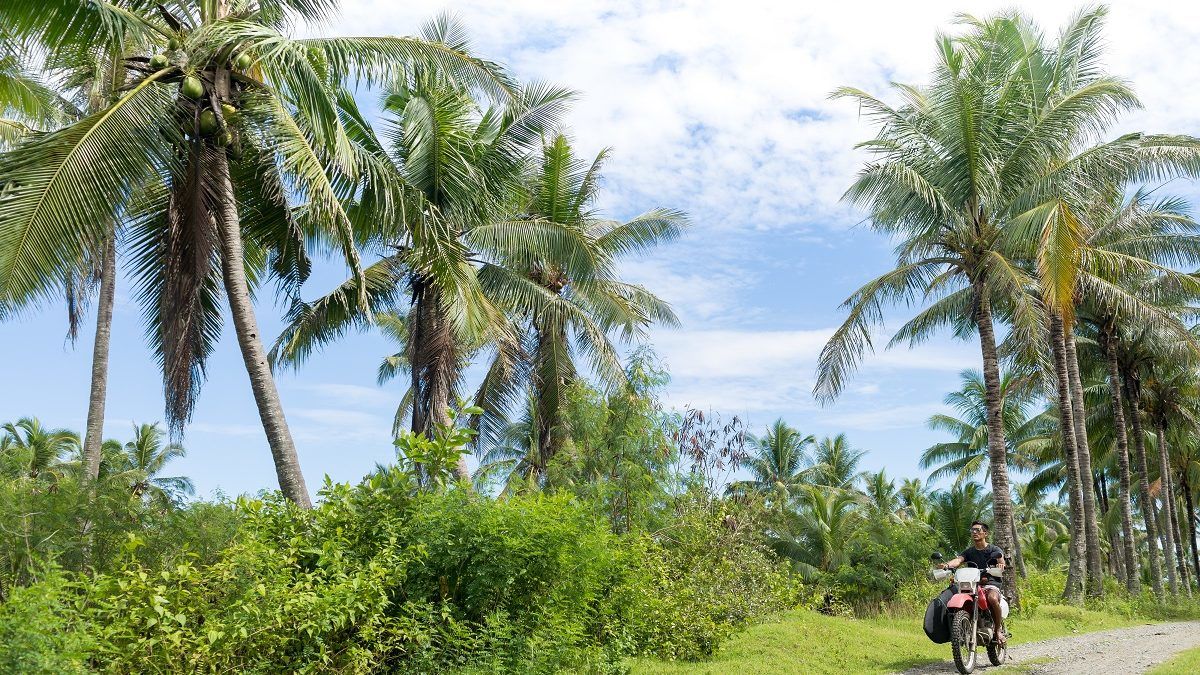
(208,122)
(243,61)
(192,87)
(158,62)
(173,44)
(229,111)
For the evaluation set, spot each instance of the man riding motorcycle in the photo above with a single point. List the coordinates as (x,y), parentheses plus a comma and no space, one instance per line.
(984,555)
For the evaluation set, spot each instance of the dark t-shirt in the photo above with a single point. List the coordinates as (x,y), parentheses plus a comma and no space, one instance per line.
(982,557)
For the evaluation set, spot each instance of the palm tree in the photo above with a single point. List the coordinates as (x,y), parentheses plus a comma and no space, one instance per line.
(191,160)
(955,508)
(971,173)
(821,529)
(35,452)
(27,101)
(835,463)
(144,459)
(967,456)
(1160,232)
(454,165)
(883,499)
(587,302)
(1173,391)
(778,464)
(915,499)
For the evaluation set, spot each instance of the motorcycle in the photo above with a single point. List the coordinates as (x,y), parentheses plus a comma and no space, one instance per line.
(970,617)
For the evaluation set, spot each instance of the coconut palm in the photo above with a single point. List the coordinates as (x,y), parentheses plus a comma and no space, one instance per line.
(955,508)
(967,456)
(32,451)
(588,303)
(778,464)
(882,498)
(27,102)
(835,463)
(456,164)
(1172,394)
(914,496)
(143,461)
(971,172)
(820,530)
(221,110)
(511,461)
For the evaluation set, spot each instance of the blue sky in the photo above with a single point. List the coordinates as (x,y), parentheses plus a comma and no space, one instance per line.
(709,107)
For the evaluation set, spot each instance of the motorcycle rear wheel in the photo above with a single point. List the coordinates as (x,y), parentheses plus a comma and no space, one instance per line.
(996,654)
(962,642)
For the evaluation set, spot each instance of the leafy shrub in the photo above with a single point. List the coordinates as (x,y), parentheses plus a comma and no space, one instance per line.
(382,577)
(884,557)
(33,635)
(700,581)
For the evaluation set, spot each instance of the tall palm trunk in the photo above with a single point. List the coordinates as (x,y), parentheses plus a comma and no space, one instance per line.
(1108,343)
(1139,457)
(553,371)
(93,437)
(1077,557)
(1191,512)
(1095,569)
(266,395)
(1002,509)
(1184,573)
(1018,556)
(1168,527)
(433,362)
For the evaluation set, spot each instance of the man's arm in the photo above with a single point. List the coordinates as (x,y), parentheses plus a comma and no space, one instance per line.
(958,560)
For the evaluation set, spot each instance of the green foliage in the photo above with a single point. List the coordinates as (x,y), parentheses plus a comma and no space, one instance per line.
(704,578)
(434,460)
(33,639)
(884,558)
(383,577)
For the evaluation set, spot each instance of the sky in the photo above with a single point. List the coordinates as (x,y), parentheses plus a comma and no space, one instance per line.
(720,109)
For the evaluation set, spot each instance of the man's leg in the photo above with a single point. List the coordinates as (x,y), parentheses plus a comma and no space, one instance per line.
(993,600)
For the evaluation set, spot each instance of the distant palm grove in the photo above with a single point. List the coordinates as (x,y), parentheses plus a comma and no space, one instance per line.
(201,149)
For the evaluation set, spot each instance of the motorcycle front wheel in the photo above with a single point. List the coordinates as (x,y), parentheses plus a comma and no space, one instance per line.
(962,642)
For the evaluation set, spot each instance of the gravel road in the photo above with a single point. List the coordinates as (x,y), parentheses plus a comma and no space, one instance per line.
(1110,652)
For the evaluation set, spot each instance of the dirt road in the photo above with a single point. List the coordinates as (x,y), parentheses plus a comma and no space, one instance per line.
(1112,652)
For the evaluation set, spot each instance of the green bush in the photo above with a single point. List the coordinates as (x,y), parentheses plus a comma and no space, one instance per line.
(691,587)
(382,577)
(33,631)
(885,558)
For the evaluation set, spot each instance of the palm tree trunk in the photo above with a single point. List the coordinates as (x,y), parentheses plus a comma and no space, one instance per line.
(1132,576)
(1139,457)
(94,435)
(262,383)
(553,371)
(1095,570)
(1002,509)
(1018,557)
(1191,512)
(1168,529)
(434,367)
(1077,557)
(1185,574)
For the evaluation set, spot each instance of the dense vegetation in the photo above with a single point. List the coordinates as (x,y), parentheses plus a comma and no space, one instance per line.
(213,155)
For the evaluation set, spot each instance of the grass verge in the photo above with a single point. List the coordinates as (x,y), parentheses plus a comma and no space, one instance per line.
(808,642)
(1184,663)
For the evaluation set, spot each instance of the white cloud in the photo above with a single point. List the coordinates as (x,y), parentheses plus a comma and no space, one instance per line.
(882,419)
(348,393)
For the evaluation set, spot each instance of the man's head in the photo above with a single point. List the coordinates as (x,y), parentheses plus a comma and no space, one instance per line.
(979,531)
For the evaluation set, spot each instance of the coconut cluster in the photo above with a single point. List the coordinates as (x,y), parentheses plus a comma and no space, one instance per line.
(192,90)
